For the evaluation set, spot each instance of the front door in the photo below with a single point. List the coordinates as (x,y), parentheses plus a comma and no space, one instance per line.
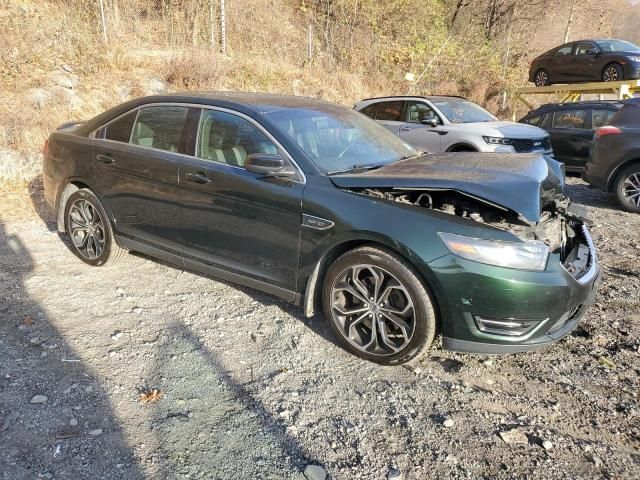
(136,169)
(233,219)
(418,132)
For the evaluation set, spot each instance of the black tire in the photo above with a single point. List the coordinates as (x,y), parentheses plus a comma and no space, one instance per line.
(627,188)
(462,149)
(419,318)
(541,78)
(89,229)
(612,73)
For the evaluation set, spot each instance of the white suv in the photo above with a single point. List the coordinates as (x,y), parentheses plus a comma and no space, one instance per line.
(452,124)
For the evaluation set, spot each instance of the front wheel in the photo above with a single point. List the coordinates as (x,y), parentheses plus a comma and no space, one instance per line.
(612,73)
(89,229)
(378,307)
(627,188)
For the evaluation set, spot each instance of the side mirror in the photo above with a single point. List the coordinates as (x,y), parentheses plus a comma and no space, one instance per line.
(430,121)
(269,165)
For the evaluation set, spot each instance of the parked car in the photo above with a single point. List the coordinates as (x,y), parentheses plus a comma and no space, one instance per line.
(452,124)
(318,204)
(571,127)
(586,61)
(614,165)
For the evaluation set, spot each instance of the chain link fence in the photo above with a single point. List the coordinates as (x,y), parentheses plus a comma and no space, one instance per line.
(163,23)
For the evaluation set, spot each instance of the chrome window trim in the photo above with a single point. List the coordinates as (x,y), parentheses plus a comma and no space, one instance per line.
(287,155)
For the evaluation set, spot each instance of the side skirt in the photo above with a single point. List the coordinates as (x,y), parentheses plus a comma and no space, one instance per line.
(137,246)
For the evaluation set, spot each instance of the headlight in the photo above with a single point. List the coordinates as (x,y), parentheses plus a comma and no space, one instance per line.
(497,140)
(529,255)
(634,58)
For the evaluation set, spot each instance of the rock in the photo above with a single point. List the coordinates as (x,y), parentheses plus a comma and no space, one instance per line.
(116,335)
(39,399)
(88,389)
(38,97)
(394,474)
(514,436)
(63,79)
(155,86)
(73,422)
(315,472)
(137,310)
(448,423)
(96,432)
(547,445)
(10,420)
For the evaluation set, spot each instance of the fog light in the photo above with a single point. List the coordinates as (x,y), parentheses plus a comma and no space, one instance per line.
(504,326)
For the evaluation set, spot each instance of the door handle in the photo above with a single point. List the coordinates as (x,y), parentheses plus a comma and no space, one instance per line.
(105,158)
(439,132)
(198,177)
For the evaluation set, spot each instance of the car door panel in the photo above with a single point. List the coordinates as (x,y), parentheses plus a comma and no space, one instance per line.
(239,221)
(570,135)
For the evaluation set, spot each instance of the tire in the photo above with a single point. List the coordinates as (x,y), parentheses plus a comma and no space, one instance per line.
(462,149)
(612,73)
(627,188)
(89,229)
(541,78)
(403,314)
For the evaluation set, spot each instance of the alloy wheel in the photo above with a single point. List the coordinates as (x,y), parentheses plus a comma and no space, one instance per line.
(610,74)
(86,229)
(373,310)
(631,189)
(542,78)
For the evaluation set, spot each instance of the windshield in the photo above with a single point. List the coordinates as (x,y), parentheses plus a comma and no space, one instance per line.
(617,46)
(337,139)
(462,111)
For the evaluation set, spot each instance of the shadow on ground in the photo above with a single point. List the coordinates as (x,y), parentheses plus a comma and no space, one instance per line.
(36,439)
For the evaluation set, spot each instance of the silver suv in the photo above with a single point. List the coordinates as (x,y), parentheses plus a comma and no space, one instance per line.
(452,124)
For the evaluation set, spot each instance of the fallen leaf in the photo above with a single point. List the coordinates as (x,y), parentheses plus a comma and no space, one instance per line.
(28,320)
(152,396)
(604,361)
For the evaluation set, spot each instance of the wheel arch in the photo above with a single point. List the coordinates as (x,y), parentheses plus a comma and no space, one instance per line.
(608,64)
(616,171)
(70,188)
(462,147)
(314,282)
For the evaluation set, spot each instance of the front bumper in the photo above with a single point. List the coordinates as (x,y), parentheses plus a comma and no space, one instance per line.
(552,302)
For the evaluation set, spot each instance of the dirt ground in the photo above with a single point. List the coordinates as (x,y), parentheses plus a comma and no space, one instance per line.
(250,389)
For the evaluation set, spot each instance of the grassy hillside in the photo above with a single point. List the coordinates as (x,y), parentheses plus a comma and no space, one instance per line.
(56,64)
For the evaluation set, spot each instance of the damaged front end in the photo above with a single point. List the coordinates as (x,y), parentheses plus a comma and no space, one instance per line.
(560,225)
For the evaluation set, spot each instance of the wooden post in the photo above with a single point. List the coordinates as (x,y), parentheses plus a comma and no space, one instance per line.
(223,29)
(104,23)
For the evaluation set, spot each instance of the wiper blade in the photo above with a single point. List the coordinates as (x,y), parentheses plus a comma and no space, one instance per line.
(357,168)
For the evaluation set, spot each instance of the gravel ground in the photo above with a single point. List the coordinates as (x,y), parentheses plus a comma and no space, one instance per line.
(247,388)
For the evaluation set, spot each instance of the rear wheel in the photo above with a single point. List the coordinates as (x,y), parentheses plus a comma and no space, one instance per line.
(627,188)
(612,73)
(541,78)
(89,229)
(378,307)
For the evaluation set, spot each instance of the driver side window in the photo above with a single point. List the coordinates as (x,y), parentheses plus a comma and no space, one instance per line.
(227,138)
(419,112)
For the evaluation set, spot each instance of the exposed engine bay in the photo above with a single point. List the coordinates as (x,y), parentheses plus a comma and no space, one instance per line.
(559,225)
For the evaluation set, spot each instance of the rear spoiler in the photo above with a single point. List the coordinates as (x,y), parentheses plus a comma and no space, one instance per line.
(69,125)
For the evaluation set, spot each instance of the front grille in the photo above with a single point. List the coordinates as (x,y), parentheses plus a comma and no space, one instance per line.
(524,145)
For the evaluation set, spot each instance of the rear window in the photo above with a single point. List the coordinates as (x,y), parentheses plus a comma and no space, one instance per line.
(120,129)
(601,117)
(389,111)
(532,120)
(160,127)
(569,119)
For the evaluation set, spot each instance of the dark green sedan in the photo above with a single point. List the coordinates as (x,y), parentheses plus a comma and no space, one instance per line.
(321,206)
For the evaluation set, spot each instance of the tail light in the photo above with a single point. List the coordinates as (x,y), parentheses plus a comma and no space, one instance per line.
(45,148)
(607,130)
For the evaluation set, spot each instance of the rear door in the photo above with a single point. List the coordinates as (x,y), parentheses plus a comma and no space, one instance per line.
(233,219)
(570,132)
(558,63)
(389,114)
(136,169)
(419,134)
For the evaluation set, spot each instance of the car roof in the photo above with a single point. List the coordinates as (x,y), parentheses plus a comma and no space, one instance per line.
(405,97)
(586,104)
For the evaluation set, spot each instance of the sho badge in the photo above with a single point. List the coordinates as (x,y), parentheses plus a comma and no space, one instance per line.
(316,222)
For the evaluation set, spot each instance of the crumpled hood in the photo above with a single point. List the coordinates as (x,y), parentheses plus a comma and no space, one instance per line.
(523,183)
